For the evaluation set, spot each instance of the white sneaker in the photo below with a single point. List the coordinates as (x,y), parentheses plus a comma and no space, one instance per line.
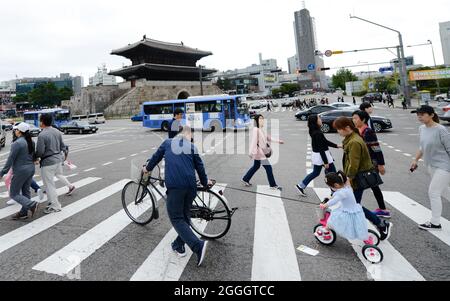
(11,202)
(40,193)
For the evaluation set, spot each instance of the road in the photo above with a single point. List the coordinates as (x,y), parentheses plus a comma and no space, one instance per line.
(266,230)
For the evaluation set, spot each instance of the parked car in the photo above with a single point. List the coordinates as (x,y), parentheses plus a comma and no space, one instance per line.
(80,118)
(287,103)
(80,127)
(6,126)
(441,97)
(96,118)
(34,131)
(303,115)
(138,117)
(344,106)
(372,97)
(257,106)
(379,123)
(443,111)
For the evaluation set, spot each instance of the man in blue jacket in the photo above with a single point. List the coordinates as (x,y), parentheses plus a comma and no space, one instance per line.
(182,160)
(175,126)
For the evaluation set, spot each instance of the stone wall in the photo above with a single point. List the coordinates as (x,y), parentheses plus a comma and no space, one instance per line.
(130,103)
(94,99)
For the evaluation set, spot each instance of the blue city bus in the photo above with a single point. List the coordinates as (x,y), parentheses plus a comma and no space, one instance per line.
(60,117)
(209,113)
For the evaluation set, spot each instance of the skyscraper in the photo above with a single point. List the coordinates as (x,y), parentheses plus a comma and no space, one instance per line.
(306,43)
(445,40)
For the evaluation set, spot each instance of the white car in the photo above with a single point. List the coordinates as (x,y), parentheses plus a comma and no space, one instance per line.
(443,111)
(440,97)
(96,118)
(344,106)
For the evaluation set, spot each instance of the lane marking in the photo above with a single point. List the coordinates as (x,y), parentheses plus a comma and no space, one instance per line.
(90,169)
(108,163)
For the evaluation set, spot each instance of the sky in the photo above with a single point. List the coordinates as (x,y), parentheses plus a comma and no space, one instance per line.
(49,37)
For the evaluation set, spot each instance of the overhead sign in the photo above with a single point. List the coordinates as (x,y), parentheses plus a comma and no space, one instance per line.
(429,74)
(386,69)
(311,67)
(328,53)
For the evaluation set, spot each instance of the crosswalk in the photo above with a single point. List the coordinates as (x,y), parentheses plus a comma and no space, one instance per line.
(271,254)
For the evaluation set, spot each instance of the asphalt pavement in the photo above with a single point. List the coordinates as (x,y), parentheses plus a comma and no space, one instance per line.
(91,239)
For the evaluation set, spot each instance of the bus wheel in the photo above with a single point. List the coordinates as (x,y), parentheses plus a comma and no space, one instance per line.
(216,127)
(165,126)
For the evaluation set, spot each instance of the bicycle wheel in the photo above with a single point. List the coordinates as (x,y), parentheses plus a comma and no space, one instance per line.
(138,203)
(210,215)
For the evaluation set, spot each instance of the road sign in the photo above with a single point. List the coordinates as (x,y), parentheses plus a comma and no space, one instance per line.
(328,53)
(311,67)
(386,69)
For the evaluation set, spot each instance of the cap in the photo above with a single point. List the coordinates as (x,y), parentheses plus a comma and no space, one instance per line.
(424,110)
(23,127)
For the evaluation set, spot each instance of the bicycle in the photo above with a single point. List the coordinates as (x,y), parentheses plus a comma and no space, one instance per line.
(210,213)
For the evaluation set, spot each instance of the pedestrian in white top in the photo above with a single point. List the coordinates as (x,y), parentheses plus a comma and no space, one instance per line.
(435,149)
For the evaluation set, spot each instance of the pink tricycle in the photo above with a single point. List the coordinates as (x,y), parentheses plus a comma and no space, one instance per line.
(328,237)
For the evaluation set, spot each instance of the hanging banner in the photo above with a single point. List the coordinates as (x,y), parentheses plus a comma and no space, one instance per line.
(429,74)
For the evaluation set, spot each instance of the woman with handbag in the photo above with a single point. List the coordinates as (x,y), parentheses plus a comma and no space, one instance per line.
(321,156)
(260,152)
(435,150)
(359,170)
(361,121)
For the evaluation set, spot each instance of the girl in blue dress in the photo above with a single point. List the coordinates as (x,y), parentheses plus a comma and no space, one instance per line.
(348,220)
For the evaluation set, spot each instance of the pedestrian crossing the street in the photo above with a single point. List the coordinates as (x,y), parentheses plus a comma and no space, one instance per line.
(273,249)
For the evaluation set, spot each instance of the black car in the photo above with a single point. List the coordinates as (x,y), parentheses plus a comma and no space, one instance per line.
(80,127)
(34,131)
(303,115)
(379,123)
(372,97)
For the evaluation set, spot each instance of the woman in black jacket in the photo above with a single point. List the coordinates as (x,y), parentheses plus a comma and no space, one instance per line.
(321,156)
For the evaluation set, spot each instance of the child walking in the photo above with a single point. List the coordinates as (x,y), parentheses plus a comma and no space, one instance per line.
(348,220)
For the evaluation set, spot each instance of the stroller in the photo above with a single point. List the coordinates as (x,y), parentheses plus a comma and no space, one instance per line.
(327,237)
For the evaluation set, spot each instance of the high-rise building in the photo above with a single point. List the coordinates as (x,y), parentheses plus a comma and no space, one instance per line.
(445,40)
(293,64)
(102,78)
(77,84)
(306,43)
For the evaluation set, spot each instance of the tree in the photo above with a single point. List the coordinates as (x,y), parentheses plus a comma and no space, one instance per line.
(341,77)
(20,98)
(65,93)
(225,84)
(48,95)
(286,89)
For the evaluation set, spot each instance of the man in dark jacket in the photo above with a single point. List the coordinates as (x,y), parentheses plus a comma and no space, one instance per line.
(182,160)
(175,126)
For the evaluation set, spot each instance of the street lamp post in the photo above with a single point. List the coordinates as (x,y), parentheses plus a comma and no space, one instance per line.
(401,54)
(201,79)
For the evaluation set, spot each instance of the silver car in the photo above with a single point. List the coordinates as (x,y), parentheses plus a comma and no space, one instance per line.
(443,111)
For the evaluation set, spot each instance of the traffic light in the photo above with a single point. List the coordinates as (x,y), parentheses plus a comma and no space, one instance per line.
(325,69)
(338,52)
(302,71)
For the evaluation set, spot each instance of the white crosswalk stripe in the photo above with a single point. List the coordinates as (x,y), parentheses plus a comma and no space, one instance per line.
(274,257)
(21,234)
(62,262)
(163,264)
(417,213)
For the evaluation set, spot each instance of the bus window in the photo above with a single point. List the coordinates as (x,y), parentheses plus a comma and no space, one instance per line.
(209,107)
(180,106)
(158,109)
(29,118)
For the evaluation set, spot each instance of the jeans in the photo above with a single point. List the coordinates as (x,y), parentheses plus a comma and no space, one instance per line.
(379,197)
(256,166)
(373,218)
(316,172)
(35,186)
(179,203)
(439,187)
(20,189)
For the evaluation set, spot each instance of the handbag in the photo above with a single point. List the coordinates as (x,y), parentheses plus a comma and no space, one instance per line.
(267,150)
(368,179)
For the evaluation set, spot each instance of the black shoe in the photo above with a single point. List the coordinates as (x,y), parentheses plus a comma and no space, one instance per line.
(385,232)
(301,190)
(201,254)
(430,227)
(19,217)
(33,209)
(156,214)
